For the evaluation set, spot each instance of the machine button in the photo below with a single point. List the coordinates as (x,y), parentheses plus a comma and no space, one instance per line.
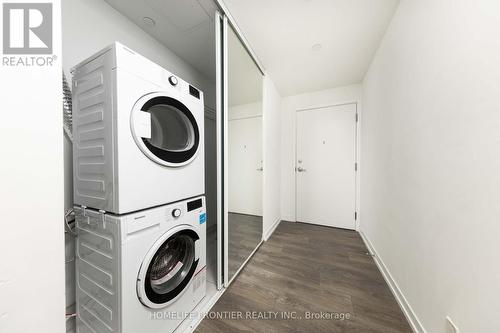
(173,80)
(176,213)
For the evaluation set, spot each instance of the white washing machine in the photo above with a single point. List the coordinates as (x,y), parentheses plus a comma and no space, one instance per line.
(138,133)
(141,272)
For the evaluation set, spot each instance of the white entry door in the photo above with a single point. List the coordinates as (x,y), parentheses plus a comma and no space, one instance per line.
(245,166)
(325,166)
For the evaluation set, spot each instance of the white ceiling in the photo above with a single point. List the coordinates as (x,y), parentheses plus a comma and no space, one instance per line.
(185,26)
(282,34)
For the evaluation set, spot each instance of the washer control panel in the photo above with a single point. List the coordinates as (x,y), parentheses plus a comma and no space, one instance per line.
(188,212)
(176,212)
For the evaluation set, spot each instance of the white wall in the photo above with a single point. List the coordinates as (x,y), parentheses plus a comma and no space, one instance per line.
(87,27)
(31,192)
(244,110)
(289,107)
(430,160)
(272,156)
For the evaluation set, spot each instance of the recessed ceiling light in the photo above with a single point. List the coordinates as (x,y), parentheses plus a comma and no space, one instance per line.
(148,22)
(316,47)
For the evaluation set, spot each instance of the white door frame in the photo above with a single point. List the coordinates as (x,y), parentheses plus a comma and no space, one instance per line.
(358,150)
(220,101)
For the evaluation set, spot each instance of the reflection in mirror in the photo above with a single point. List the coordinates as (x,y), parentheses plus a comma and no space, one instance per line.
(244,154)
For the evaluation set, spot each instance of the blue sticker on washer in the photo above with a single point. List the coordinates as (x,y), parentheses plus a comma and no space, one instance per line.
(203,218)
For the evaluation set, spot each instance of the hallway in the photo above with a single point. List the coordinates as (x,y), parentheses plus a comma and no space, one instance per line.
(308,268)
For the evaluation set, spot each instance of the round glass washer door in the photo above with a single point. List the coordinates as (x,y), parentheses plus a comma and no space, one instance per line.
(168,268)
(165,130)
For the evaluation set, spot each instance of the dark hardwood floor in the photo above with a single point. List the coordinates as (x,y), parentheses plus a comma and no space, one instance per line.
(311,269)
(244,234)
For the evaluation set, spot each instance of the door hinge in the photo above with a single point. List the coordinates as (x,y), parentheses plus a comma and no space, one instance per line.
(355,166)
(355,216)
(357,118)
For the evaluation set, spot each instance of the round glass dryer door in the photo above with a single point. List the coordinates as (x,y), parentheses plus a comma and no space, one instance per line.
(168,269)
(165,130)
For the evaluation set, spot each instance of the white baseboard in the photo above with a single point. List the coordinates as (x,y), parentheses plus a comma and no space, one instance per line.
(289,218)
(269,232)
(405,306)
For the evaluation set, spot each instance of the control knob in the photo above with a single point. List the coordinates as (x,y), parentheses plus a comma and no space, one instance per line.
(176,213)
(173,80)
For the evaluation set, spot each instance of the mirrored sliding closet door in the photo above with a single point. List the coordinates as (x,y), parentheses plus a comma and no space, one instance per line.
(243,159)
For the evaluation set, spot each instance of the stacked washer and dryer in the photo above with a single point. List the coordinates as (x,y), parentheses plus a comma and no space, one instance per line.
(138,190)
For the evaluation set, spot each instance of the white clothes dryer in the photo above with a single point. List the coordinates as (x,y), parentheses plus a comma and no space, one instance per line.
(140,272)
(138,133)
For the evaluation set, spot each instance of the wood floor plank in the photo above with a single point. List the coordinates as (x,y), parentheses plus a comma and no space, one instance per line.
(245,233)
(309,270)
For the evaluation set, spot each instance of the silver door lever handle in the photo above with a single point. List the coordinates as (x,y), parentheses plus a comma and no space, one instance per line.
(300,169)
